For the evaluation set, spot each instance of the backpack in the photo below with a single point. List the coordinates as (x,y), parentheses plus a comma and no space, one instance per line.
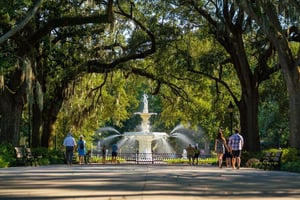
(81,145)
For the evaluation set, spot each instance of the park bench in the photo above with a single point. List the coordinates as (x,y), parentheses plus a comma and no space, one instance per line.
(265,160)
(275,162)
(24,156)
(272,160)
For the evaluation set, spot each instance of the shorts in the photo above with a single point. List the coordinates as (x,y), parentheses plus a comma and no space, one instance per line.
(228,154)
(114,154)
(236,153)
(190,156)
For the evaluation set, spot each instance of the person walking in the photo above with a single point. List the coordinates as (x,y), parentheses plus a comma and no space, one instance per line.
(81,149)
(196,155)
(220,145)
(114,153)
(236,143)
(190,153)
(103,154)
(69,143)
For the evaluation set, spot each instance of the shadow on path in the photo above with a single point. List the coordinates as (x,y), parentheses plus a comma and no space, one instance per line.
(145,182)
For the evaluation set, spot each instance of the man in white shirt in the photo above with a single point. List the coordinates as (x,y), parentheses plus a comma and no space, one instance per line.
(69,143)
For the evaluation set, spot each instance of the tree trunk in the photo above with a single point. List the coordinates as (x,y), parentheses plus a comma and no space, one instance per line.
(44,118)
(11,112)
(248,107)
(248,103)
(49,118)
(291,72)
(37,127)
(12,101)
(294,122)
(47,131)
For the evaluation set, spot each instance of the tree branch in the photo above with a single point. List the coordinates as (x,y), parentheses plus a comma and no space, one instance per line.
(30,15)
(67,21)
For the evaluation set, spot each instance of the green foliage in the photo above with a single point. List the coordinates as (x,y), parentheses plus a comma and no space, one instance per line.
(291,166)
(96,159)
(94,105)
(49,156)
(289,155)
(43,155)
(7,155)
(41,151)
(44,161)
(3,162)
(273,115)
(201,161)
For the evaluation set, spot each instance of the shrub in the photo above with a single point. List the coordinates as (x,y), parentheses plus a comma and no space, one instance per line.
(7,155)
(289,155)
(291,166)
(53,156)
(201,161)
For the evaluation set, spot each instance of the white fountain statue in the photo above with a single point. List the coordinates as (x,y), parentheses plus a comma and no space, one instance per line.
(145,136)
(145,100)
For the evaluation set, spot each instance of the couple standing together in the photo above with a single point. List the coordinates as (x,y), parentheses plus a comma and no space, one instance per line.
(234,146)
(70,144)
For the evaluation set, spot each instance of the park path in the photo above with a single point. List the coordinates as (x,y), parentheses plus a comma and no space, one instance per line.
(145,182)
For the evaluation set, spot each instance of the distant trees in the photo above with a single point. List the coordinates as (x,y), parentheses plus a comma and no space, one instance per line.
(49,49)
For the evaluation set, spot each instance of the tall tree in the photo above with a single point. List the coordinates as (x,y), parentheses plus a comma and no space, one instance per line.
(248,53)
(16,66)
(279,20)
(22,45)
(63,48)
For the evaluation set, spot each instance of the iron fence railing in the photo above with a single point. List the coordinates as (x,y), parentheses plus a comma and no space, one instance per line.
(152,158)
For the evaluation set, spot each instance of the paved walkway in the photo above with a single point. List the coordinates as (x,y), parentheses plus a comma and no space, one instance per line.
(145,182)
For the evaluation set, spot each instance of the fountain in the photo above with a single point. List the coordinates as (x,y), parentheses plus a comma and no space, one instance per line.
(145,137)
(141,141)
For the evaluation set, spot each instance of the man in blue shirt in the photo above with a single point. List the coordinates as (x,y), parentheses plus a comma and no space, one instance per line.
(236,143)
(114,153)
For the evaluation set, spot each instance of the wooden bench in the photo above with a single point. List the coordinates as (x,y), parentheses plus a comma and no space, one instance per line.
(275,162)
(272,160)
(24,156)
(265,160)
